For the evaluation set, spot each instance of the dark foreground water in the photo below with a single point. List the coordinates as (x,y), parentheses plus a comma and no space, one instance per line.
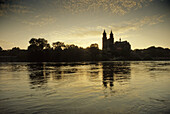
(102,87)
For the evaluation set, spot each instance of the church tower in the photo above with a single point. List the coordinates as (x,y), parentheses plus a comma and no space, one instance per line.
(111,37)
(104,40)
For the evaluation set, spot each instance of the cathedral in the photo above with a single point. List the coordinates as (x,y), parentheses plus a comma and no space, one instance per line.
(110,46)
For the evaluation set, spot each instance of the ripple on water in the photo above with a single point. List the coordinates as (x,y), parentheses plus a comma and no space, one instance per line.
(104,87)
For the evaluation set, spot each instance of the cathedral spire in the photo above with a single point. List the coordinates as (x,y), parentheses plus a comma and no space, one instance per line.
(104,40)
(111,37)
(111,32)
(104,32)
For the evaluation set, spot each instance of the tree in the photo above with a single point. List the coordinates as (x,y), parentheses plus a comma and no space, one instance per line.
(38,44)
(58,45)
(72,46)
(94,46)
(94,52)
(72,53)
(33,41)
(38,49)
(15,49)
(1,49)
(42,43)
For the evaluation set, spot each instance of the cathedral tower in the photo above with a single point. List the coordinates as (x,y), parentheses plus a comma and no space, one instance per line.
(104,41)
(111,37)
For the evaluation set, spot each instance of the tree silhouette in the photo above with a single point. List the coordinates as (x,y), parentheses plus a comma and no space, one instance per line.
(15,49)
(94,52)
(1,49)
(94,46)
(38,49)
(72,53)
(38,44)
(58,45)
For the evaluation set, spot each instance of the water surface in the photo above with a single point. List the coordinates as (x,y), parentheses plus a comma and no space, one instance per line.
(85,87)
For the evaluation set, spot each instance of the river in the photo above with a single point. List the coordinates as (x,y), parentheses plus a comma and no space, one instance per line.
(85,87)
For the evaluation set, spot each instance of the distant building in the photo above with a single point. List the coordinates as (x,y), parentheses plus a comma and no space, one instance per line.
(110,45)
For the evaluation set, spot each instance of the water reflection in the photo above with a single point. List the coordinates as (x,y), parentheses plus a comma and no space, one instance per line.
(12,67)
(115,71)
(38,75)
(112,72)
(57,75)
(85,86)
(108,74)
(63,72)
(94,72)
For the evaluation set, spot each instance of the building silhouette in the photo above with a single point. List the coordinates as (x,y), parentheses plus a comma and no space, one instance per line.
(110,45)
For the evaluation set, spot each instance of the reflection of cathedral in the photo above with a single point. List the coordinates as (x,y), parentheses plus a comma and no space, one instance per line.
(108,77)
(110,45)
(115,72)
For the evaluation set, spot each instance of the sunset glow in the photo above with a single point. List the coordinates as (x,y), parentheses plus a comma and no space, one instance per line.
(81,22)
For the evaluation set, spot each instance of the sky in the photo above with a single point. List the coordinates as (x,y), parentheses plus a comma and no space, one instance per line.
(143,23)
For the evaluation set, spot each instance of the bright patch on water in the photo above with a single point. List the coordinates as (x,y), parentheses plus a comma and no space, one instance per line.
(101,87)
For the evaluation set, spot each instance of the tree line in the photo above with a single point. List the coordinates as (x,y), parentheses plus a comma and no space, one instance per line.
(40,50)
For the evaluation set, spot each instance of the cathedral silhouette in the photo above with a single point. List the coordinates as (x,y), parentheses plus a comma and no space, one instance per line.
(110,45)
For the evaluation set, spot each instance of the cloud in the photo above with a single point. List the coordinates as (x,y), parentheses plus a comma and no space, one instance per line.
(2,12)
(40,20)
(136,24)
(6,44)
(13,6)
(118,7)
(80,35)
(87,33)
(122,27)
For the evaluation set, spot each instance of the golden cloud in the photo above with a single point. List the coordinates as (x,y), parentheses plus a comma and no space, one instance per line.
(123,27)
(6,8)
(119,7)
(6,44)
(40,21)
